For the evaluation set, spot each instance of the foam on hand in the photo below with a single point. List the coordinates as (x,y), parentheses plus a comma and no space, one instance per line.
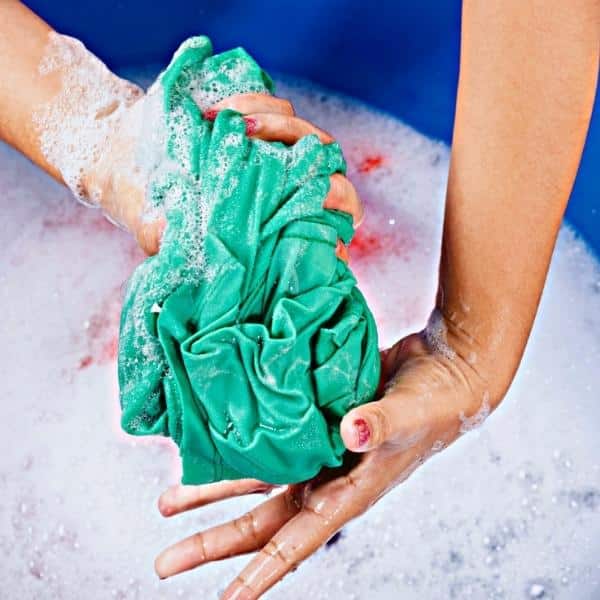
(74,126)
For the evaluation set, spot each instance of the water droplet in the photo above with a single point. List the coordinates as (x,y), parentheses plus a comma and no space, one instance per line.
(537,590)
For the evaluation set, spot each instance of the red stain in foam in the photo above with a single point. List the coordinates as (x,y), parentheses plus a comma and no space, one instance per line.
(110,350)
(370,243)
(85,362)
(370,163)
(365,243)
(101,332)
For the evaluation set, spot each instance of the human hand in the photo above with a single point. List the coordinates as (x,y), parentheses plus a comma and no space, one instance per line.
(117,181)
(431,396)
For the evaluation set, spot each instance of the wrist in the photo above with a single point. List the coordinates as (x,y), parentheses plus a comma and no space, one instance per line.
(479,348)
(74,125)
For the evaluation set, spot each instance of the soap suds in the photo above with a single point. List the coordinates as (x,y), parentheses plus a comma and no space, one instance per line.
(436,335)
(476,420)
(75,124)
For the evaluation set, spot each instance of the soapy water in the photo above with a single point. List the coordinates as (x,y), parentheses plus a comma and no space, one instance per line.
(510,511)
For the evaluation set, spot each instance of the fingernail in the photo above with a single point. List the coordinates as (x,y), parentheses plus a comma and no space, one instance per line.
(362,433)
(210,114)
(250,125)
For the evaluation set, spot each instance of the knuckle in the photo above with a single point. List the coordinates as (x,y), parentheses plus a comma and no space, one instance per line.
(273,551)
(244,590)
(324,517)
(293,500)
(350,481)
(199,544)
(246,525)
(286,106)
(292,124)
(226,103)
(381,424)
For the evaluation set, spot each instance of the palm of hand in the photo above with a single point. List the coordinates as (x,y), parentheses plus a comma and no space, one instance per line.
(407,425)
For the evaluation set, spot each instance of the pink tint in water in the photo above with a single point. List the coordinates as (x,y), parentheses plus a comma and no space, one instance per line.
(101,332)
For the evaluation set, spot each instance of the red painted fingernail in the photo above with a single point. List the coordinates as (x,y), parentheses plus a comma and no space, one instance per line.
(210,114)
(250,125)
(362,432)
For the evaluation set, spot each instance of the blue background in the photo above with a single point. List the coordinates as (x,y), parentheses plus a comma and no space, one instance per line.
(406,51)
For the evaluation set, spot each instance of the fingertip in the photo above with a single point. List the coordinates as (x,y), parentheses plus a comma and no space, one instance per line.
(167,501)
(356,432)
(160,566)
(343,196)
(326,138)
(149,235)
(287,108)
(164,506)
(341,251)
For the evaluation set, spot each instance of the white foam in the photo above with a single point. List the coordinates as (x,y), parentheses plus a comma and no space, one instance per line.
(436,335)
(492,516)
(476,420)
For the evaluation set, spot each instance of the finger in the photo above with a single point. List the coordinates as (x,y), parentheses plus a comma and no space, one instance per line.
(273,127)
(245,534)
(342,196)
(148,235)
(397,417)
(251,103)
(424,394)
(293,543)
(179,498)
(341,251)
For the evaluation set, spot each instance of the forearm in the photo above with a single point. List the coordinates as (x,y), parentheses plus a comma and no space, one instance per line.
(527,81)
(58,102)
(23,40)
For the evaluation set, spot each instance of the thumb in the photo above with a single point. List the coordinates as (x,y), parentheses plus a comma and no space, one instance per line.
(370,425)
(430,392)
(398,417)
(366,427)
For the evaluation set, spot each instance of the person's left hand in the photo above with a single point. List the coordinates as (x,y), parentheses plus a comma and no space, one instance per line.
(428,395)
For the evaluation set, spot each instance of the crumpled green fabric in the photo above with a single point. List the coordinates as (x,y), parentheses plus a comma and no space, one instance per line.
(244,339)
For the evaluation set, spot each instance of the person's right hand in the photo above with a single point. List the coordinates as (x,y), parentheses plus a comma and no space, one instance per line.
(429,391)
(118,184)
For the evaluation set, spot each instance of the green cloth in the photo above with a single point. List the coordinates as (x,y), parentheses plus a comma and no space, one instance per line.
(244,339)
